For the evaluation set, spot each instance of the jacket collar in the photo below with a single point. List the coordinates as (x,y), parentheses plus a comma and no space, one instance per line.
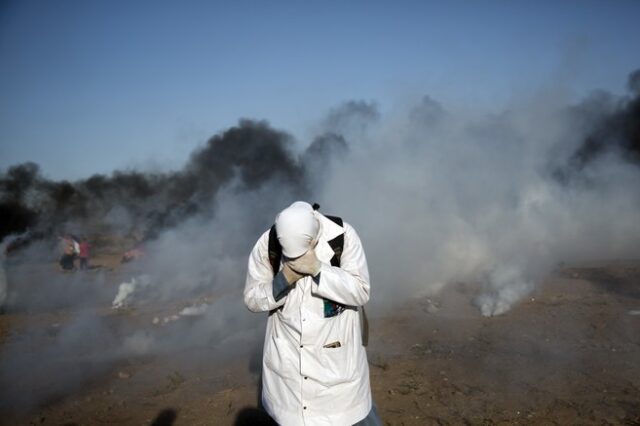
(330,229)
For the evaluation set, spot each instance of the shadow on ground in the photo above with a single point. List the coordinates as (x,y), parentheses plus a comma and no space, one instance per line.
(251,416)
(166,418)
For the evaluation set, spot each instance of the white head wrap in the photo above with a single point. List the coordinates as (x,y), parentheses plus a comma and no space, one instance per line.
(297,228)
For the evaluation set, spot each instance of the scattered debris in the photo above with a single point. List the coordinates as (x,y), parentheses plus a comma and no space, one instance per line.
(170,318)
(195,310)
(133,254)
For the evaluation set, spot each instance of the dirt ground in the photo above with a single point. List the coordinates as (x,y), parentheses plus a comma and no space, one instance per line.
(567,354)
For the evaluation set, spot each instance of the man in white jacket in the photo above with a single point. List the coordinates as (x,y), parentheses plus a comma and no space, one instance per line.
(315,369)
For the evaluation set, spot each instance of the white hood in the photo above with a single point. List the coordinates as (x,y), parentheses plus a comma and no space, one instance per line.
(297,227)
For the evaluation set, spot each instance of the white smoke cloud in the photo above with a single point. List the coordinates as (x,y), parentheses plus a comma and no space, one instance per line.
(441,198)
(438,197)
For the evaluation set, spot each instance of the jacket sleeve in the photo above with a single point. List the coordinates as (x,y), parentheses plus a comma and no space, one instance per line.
(348,284)
(262,291)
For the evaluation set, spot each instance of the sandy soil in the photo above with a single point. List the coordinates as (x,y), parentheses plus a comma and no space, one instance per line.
(567,354)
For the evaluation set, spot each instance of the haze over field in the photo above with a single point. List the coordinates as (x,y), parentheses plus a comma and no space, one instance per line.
(456,162)
(444,188)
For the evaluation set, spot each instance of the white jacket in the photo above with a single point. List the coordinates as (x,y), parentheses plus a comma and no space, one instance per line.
(305,383)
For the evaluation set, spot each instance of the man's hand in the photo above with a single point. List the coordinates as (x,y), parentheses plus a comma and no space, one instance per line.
(307,264)
(290,275)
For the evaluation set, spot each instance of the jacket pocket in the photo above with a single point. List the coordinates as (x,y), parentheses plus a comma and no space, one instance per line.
(336,365)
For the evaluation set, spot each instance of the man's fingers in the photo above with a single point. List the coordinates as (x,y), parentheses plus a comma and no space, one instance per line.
(290,274)
(307,264)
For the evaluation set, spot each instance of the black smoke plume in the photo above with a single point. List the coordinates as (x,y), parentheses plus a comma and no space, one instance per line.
(251,153)
(614,128)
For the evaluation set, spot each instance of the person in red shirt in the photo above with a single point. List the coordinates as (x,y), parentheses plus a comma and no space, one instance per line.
(84,254)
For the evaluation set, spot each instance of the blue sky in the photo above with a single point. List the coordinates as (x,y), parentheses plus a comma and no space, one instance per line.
(92,86)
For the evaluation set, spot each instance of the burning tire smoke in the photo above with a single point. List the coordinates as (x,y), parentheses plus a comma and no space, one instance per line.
(150,202)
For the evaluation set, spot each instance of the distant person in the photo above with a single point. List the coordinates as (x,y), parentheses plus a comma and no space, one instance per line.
(76,245)
(83,253)
(314,366)
(68,256)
